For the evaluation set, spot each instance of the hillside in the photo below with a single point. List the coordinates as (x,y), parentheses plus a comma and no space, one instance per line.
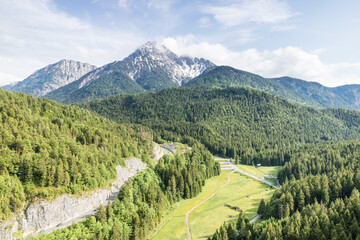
(242,123)
(48,149)
(151,67)
(51,77)
(295,90)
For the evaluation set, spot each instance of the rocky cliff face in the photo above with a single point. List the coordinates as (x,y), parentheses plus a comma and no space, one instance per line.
(152,56)
(51,77)
(46,216)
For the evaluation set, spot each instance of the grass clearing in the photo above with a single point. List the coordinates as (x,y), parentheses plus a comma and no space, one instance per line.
(262,171)
(205,219)
(243,192)
(175,228)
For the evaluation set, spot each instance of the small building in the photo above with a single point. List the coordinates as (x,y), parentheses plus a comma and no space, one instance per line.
(258,165)
(236,208)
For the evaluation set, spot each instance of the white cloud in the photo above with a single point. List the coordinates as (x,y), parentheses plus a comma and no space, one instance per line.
(122,3)
(286,61)
(234,13)
(204,21)
(280,28)
(164,5)
(34,33)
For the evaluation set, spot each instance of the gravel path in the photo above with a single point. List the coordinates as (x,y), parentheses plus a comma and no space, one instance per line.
(255,219)
(236,168)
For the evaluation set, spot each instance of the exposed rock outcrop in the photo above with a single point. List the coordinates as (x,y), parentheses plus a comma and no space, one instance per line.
(46,216)
(51,77)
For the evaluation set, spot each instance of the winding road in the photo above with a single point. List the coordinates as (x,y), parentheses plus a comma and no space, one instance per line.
(237,169)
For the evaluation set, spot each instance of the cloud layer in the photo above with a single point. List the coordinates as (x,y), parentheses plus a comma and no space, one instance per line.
(36,33)
(234,13)
(286,61)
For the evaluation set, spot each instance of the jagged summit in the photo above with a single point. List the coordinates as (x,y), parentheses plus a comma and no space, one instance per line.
(152,50)
(151,67)
(153,56)
(51,77)
(152,47)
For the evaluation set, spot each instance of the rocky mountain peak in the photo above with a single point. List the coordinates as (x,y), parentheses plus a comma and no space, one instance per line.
(153,55)
(152,50)
(52,77)
(154,47)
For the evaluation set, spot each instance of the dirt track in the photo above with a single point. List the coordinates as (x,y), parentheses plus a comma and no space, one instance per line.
(192,209)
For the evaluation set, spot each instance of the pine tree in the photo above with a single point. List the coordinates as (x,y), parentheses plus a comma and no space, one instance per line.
(101,214)
(261,209)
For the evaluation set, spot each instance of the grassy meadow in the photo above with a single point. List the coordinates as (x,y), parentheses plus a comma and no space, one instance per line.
(243,192)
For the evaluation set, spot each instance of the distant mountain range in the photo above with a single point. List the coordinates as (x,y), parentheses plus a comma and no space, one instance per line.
(153,67)
(295,90)
(51,77)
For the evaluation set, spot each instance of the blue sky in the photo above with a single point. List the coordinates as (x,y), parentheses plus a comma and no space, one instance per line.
(312,40)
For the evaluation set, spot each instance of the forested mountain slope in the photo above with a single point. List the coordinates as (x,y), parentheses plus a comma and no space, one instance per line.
(47,149)
(295,90)
(237,122)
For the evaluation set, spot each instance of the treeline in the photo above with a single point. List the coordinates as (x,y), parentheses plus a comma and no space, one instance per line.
(184,175)
(249,125)
(340,220)
(143,200)
(47,149)
(326,158)
(322,173)
(319,197)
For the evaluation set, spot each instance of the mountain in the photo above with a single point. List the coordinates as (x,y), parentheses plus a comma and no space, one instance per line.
(155,58)
(51,77)
(296,90)
(152,67)
(109,81)
(238,122)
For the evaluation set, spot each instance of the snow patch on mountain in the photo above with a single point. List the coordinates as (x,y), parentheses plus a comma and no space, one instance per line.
(152,55)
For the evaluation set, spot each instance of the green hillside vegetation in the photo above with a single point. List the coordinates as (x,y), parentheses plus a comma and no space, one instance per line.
(47,149)
(295,90)
(248,125)
(319,198)
(143,200)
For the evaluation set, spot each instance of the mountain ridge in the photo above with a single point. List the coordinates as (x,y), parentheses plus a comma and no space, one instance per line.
(229,120)
(296,90)
(151,67)
(51,77)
